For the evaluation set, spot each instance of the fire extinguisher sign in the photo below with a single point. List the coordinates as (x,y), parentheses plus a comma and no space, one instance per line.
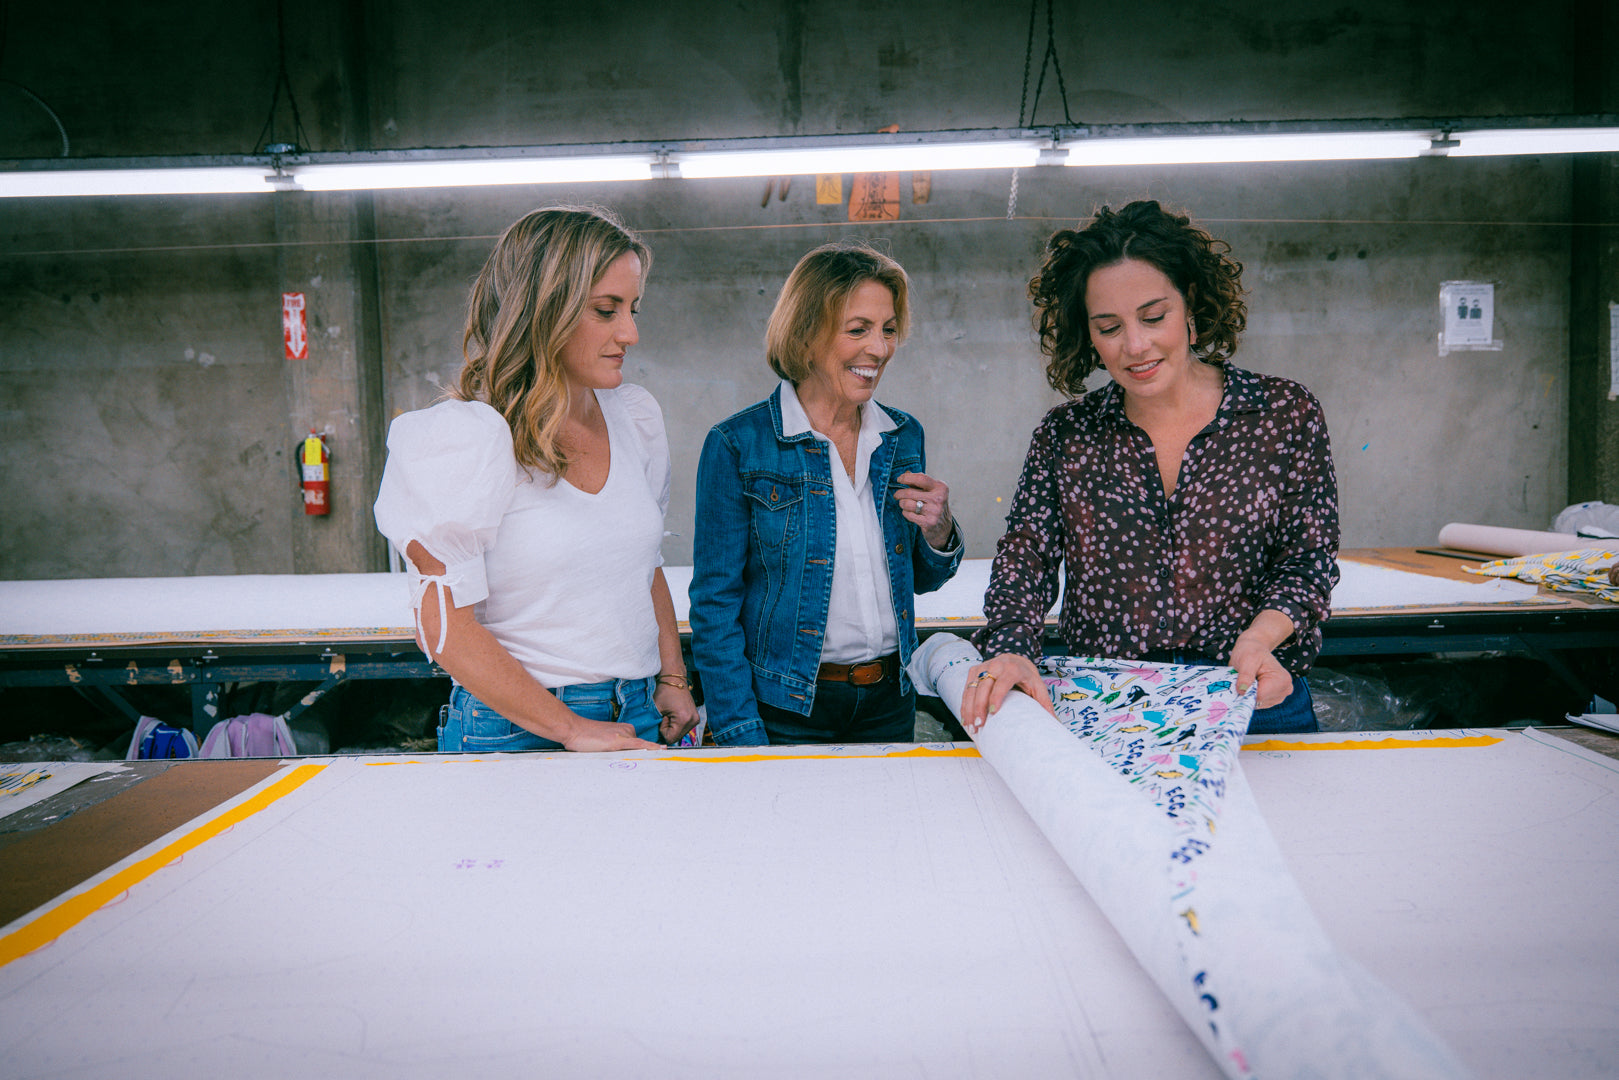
(294,326)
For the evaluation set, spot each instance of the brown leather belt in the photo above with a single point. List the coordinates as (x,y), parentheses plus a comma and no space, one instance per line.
(867,674)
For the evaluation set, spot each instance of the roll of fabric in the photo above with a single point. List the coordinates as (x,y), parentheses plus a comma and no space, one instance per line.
(1129,787)
(1496,540)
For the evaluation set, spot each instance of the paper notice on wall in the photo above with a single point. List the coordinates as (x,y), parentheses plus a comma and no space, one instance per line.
(1613,350)
(874,197)
(294,326)
(1468,308)
(828,189)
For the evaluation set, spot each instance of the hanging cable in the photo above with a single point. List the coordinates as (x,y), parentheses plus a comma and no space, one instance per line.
(300,138)
(5,19)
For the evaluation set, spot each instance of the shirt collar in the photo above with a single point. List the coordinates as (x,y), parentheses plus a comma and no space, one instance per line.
(1243,393)
(874,419)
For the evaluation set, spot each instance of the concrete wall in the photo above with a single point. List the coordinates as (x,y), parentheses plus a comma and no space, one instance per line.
(147,418)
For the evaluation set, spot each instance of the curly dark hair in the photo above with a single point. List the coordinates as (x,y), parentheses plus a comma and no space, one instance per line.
(1199,266)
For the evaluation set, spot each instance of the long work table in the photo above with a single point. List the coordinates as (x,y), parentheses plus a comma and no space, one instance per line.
(102,635)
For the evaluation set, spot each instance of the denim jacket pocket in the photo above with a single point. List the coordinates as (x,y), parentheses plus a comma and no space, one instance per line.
(774,502)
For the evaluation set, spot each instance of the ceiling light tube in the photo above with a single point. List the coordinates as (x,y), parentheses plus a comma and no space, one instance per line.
(800,161)
(1217,149)
(1590,140)
(483,172)
(229,180)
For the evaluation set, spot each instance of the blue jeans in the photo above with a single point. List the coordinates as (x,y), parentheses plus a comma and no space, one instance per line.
(845,713)
(467,724)
(1295,715)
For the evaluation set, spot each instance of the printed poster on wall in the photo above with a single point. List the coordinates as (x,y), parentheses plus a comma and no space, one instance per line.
(874,197)
(1468,309)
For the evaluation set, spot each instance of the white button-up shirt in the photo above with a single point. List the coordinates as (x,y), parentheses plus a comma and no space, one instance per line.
(860,622)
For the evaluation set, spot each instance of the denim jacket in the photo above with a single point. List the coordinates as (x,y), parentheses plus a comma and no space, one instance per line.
(762,562)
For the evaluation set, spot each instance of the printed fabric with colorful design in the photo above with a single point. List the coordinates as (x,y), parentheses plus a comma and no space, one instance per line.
(1583,571)
(1173,732)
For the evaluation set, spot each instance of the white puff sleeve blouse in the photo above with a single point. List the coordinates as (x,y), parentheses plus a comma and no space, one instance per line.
(450,476)
(560,576)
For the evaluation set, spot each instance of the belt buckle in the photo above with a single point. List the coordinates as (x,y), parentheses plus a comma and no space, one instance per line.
(867,674)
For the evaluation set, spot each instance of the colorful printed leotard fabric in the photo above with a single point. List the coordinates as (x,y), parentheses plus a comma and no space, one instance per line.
(1173,732)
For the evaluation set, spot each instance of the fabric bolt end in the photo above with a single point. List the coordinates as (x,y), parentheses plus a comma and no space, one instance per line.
(1234,946)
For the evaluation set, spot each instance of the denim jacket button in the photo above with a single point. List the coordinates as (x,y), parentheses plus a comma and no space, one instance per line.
(899,549)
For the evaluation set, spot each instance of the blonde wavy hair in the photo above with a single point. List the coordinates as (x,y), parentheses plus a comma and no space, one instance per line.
(528,300)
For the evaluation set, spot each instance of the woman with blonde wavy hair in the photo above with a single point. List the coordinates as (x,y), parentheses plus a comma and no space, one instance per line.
(530,504)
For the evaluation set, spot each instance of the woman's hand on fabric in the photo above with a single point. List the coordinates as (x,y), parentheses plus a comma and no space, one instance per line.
(989,683)
(678,710)
(1256,663)
(925,502)
(598,735)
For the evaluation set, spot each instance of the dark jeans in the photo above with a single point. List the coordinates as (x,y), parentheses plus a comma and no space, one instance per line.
(845,713)
(1295,714)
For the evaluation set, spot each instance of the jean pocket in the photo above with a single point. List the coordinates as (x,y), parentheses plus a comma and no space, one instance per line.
(516,739)
(444,714)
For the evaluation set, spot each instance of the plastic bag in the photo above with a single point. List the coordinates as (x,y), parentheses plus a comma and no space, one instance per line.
(1594,519)
(1353,702)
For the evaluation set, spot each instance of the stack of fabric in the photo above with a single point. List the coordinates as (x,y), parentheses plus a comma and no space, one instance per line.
(1589,572)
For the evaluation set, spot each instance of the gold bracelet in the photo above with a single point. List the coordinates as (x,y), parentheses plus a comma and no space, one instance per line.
(679,682)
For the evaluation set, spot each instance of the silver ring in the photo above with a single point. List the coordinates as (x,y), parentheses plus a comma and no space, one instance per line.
(919,506)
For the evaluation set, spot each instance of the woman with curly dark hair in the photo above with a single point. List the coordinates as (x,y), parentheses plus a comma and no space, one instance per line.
(1193,503)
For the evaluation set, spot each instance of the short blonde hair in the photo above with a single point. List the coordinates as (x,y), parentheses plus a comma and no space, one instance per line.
(812,302)
(525,305)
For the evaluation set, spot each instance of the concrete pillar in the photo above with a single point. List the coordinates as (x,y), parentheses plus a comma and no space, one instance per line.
(327,253)
(1593,414)
(327,246)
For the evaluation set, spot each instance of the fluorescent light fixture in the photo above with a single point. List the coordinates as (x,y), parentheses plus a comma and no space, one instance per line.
(1211,149)
(182,181)
(982,148)
(476,173)
(923,157)
(1589,140)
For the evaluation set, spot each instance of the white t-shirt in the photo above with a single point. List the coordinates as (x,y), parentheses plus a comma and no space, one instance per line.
(562,578)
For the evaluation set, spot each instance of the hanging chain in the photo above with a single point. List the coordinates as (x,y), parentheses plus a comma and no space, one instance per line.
(1048,58)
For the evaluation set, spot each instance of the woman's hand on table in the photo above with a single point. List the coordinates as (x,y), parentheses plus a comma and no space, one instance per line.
(598,735)
(678,710)
(1256,663)
(925,502)
(989,683)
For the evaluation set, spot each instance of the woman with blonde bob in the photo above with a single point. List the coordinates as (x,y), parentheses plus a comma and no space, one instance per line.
(530,503)
(817,525)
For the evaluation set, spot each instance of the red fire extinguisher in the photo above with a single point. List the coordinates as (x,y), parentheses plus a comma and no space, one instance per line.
(315,460)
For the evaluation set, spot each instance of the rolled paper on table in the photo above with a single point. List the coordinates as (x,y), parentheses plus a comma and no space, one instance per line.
(1496,540)
(1259,983)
